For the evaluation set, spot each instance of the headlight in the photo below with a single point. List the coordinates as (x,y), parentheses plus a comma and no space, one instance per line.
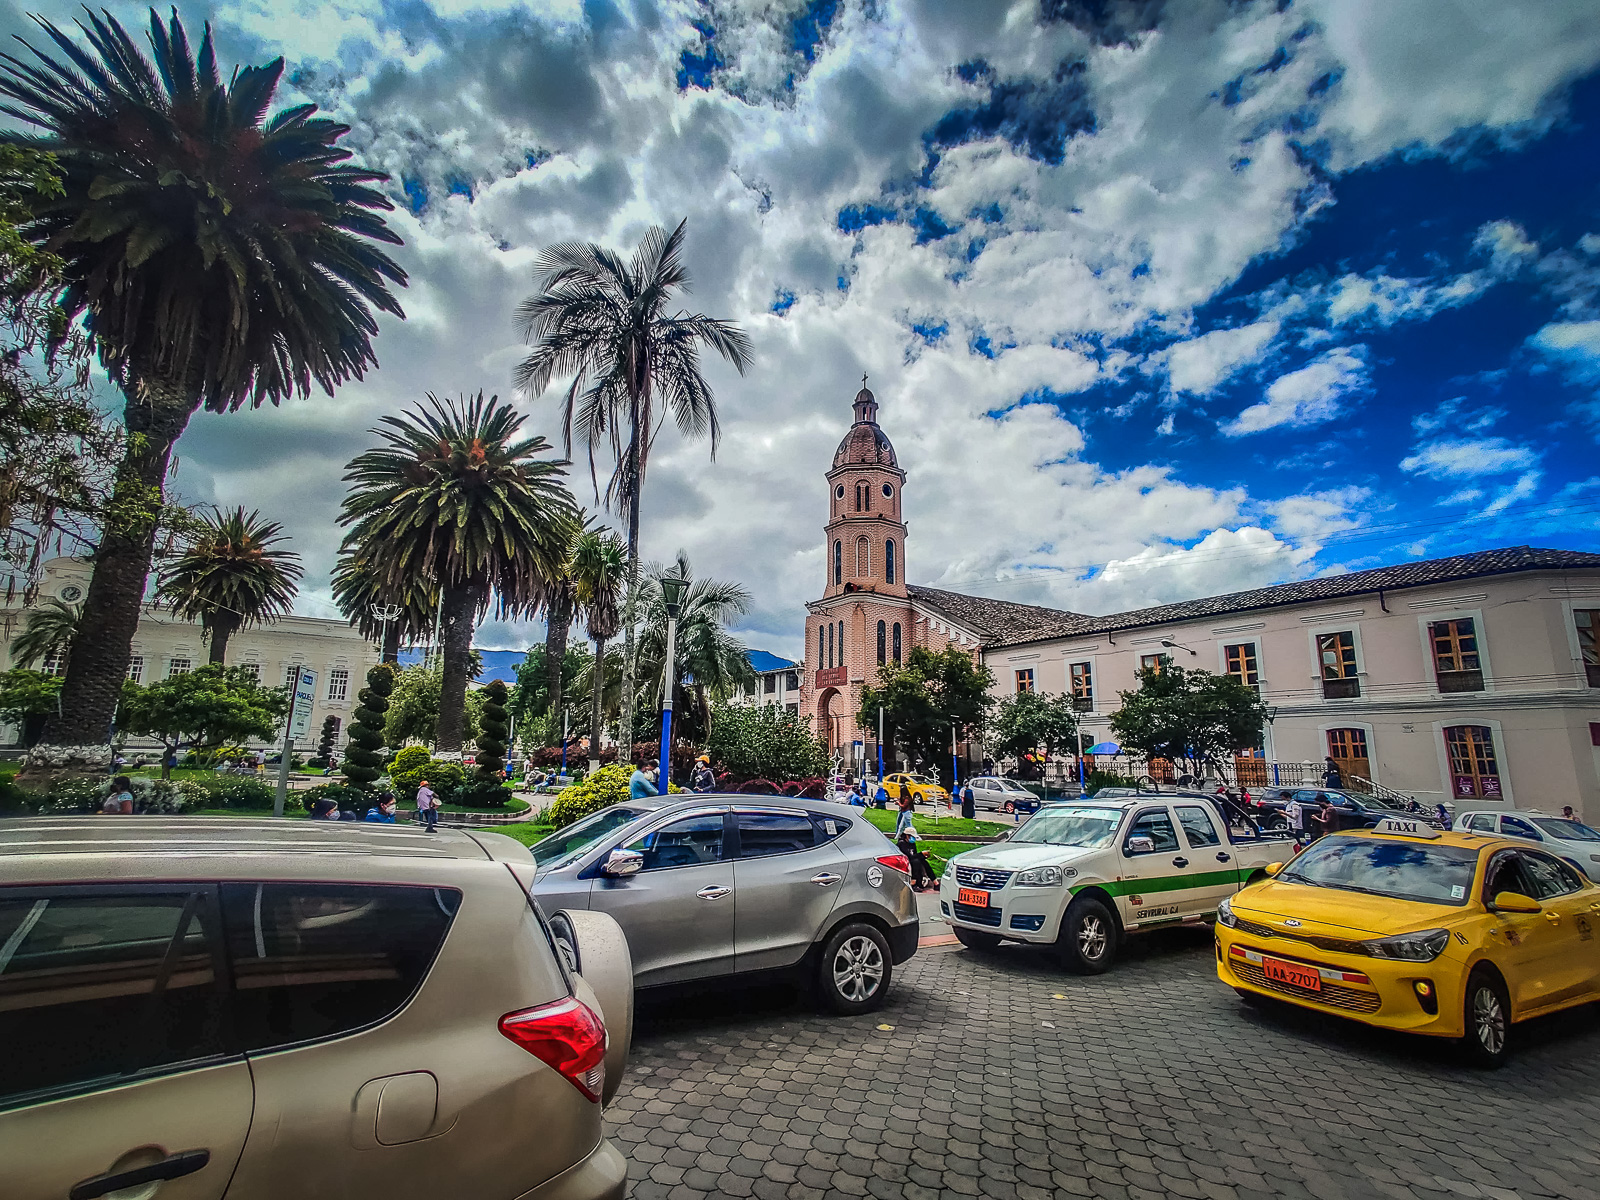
(1410,947)
(1225,915)
(1039,877)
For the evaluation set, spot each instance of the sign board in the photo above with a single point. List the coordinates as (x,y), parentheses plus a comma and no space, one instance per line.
(859,748)
(305,695)
(1417,829)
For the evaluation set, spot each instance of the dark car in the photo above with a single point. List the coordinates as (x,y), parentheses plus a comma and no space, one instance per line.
(1352,810)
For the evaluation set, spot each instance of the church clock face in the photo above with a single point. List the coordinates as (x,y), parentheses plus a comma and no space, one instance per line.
(72,593)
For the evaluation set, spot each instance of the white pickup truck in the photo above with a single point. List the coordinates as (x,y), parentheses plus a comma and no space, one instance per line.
(1083,874)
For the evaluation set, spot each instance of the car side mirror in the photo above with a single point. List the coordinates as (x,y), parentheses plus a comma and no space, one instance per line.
(1272,868)
(1140,845)
(1515,902)
(623,863)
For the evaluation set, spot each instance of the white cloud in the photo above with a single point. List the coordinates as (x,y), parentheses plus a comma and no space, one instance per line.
(1315,393)
(1201,365)
(1469,458)
(1573,345)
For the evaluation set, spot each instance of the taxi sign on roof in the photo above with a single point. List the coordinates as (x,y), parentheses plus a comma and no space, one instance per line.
(1418,829)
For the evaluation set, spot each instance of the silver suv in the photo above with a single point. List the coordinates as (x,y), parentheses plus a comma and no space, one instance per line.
(710,885)
(263,1009)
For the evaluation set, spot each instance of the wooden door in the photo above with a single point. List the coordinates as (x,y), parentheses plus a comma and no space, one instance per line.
(1348,748)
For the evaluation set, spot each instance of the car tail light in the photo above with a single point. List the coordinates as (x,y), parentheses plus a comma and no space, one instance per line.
(896,862)
(565,1036)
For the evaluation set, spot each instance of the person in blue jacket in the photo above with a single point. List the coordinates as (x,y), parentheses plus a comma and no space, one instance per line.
(383,811)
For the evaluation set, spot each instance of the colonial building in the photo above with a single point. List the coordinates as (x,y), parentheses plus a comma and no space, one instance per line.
(777,682)
(1469,679)
(166,645)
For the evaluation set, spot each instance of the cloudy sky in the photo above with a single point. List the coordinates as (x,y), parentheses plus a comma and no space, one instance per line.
(1159,299)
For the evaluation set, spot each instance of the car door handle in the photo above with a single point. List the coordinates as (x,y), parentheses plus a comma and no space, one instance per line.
(1180,861)
(826,879)
(714,892)
(1221,857)
(1553,917)
(174,1166)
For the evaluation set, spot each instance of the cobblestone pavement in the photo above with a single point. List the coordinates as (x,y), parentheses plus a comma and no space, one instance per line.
(999,1075)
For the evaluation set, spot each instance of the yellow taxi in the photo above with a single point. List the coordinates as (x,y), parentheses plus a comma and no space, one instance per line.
(923,790)
(1449,933)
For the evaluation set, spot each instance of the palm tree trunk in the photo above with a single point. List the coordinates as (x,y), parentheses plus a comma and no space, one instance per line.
(155,415)
(558,623)
(596,692)
(391,642)
(626,738)
(221,631)
(457,619)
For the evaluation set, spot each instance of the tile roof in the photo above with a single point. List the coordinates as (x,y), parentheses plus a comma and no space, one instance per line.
(1009,626)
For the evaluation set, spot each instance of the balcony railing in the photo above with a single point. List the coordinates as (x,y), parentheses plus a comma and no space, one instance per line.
(1083,704)
(1461,681)
(833,677)
(1341,689)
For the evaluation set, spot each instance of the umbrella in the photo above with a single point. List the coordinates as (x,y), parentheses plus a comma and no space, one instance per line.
(1104,748)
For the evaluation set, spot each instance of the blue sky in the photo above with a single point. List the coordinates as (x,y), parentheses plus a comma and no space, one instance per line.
(1159,299)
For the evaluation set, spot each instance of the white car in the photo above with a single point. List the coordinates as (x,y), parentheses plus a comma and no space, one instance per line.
(1570,840)
(1002,794)
(1082,874)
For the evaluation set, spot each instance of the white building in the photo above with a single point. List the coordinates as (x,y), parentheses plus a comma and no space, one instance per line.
(777,682)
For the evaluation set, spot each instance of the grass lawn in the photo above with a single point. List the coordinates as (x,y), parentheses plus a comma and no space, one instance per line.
(939,853)
(927,823)
(290,809)
(527,833)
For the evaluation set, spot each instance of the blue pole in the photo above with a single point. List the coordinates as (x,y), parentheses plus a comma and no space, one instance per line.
(563,756)
(666,748)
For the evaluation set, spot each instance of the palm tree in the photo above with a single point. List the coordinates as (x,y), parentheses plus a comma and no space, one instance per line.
(215,256)
(360,592)
(710,663)
(231,576)
(455,498)
(608,324)
(598,568)
(559,607)
(46,630)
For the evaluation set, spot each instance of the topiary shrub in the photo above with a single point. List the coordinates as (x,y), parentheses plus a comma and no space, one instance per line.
(446,778)
(347,797)
(363,757)
(493,730)
(607,786)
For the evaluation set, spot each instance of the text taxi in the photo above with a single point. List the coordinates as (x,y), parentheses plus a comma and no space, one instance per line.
(1453,934)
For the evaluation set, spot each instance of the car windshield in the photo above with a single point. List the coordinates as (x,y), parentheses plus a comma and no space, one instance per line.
(566,846)
(1080,825)
(1382,867)
(1567,831)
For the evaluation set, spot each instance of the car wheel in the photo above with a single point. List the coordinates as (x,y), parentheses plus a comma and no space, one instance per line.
(853,976)
(1487,1019)
(973,940)
(1008,807)
(1087,943)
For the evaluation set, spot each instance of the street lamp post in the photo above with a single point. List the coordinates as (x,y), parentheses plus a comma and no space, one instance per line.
(566,720)
(385,613)
(673,588)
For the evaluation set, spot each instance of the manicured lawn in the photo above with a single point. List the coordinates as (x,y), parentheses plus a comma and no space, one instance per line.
(928,823)
(939,853)
(526,833)
(510,806)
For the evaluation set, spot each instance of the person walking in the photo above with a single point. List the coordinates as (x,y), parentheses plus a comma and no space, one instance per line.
(903,821)
(1325,819)
(1331,776)
(1296,817)
(969,803)
(642,783)
(428,807)
(382,813)
(701,779)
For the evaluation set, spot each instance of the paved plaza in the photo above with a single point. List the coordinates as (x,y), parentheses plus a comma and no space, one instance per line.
(999,1075)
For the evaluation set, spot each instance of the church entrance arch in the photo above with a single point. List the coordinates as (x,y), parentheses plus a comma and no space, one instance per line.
(830,710)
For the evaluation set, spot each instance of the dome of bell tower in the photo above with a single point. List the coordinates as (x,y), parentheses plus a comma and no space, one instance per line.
(865,444)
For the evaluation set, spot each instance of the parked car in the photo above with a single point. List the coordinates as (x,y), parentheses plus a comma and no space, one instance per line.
(710,886)
(1451,934)
(1004,795)
(292,1008)
(1352,810)
(923,790)
(1083,874)
(1571,841)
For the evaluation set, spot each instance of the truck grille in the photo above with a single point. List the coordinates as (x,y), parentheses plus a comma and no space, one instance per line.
(1332,994)
(977,916)
(982,877)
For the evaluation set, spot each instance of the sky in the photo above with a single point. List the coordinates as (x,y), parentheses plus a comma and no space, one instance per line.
(1159,299)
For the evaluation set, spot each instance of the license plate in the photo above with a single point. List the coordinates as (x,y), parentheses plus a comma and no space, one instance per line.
(973,897)
(1292,973)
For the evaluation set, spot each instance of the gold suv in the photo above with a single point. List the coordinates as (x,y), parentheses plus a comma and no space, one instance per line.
(198,1008)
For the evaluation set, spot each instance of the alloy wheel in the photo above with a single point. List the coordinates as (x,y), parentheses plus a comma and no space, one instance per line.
(857,968)
(1488,1019)
(1091,938)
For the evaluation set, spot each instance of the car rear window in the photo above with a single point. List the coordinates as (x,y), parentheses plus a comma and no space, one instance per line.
(99,988)
(314,960)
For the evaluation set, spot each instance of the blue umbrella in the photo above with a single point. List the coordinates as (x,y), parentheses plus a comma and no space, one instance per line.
(1104,748)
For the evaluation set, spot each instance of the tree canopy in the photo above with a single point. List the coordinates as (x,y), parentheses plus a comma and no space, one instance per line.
(210,706)
(923,699)
(232,574)
(764,742)
(1188,715)
(1032,721)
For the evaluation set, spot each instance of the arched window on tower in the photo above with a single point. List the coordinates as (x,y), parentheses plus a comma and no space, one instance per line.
(888,562)
(863,557)
(841,643)
(883,648)
(830,645)
(896,640)
(838,563)
(822,646)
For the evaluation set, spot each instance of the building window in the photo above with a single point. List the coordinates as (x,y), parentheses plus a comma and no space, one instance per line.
(338,724)
(896,639)
(55,663)
(822,647)
(338,683)
(830,645)
(179,666)
(136,668)
(863,557)
(887,491)
(838,562)
(841,643)
(1588,622)
(1336,652)
(769,684)
(1025,680)
(1474,771)
(1241,662)
(1082,687)
(252,669)
(883,643)
(1348,748)
(1455,655)
(888,562)
(1152,662)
